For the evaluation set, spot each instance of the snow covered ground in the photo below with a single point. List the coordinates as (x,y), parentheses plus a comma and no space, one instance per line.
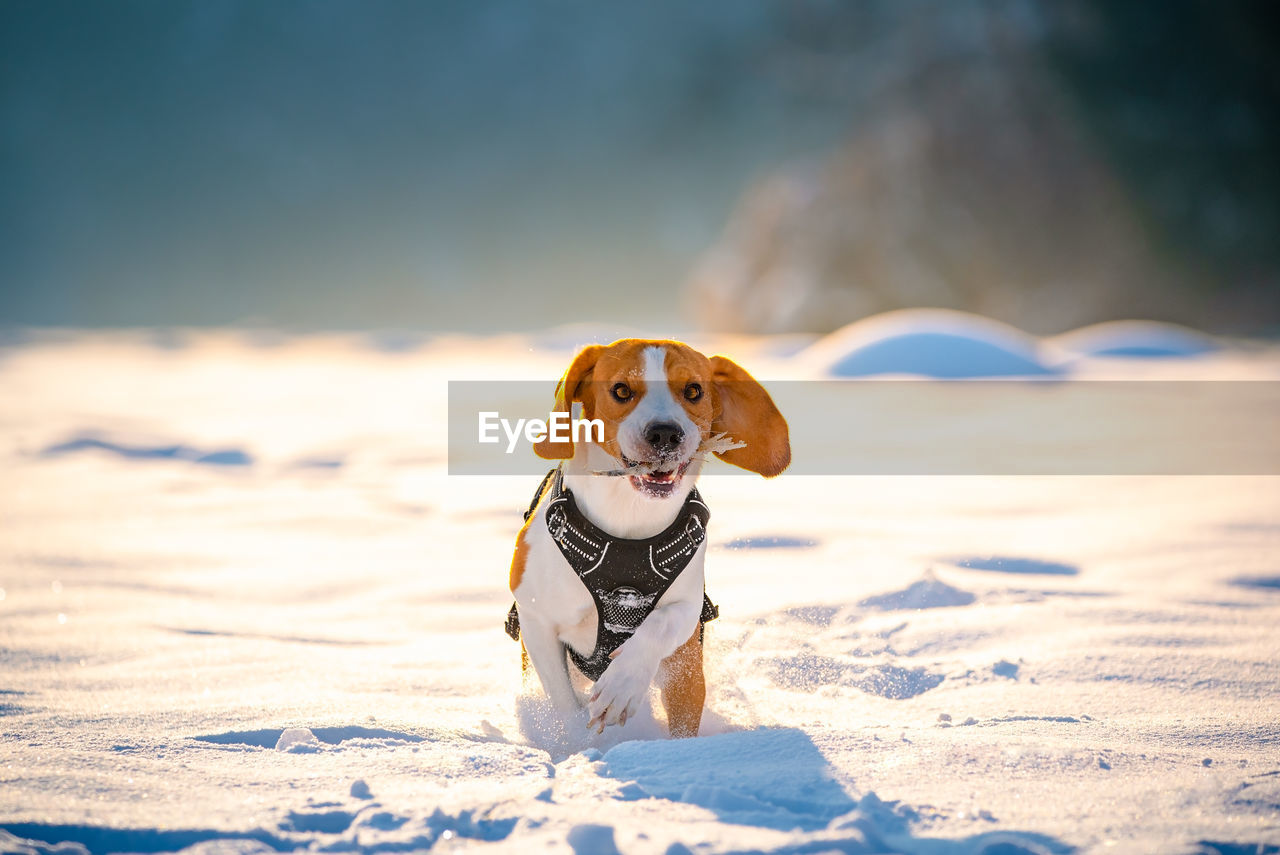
(245,609)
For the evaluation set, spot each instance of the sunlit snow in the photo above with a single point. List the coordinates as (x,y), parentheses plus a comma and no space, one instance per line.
(243,608)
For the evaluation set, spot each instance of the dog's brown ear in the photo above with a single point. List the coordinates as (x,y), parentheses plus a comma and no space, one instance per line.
(744,411)
(571,388)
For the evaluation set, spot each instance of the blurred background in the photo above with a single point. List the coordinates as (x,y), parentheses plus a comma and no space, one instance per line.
(748,166)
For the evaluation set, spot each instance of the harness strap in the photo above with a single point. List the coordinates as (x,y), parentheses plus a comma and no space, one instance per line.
(537,496)
(710,611)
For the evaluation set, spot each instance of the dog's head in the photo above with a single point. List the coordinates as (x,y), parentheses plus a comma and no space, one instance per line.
(662,402)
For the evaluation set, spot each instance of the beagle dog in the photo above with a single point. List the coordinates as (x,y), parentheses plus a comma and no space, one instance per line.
(626,504)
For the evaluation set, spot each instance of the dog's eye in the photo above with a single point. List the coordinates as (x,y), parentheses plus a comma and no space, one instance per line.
(693,392)
(621,392)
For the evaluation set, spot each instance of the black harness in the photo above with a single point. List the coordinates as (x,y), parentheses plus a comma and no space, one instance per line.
(626,578)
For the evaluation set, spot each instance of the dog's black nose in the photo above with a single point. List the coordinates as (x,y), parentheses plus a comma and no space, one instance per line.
(664,436)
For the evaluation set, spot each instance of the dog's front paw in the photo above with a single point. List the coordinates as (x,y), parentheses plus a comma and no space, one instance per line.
(619,693)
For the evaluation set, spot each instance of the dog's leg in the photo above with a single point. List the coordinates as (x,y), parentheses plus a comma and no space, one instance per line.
(546,653)
(620,691)
(684,689)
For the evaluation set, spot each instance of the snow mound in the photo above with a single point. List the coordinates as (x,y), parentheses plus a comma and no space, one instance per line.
(927,593)
(930,343)
(1138,339)
(297,739)
(772,778)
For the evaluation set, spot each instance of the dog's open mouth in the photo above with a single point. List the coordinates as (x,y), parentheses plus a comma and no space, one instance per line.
(658,483)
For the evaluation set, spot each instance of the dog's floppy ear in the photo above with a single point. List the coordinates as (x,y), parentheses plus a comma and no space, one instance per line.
(744,410)
(571,388)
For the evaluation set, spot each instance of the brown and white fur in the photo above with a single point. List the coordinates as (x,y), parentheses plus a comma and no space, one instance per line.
(661,403)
